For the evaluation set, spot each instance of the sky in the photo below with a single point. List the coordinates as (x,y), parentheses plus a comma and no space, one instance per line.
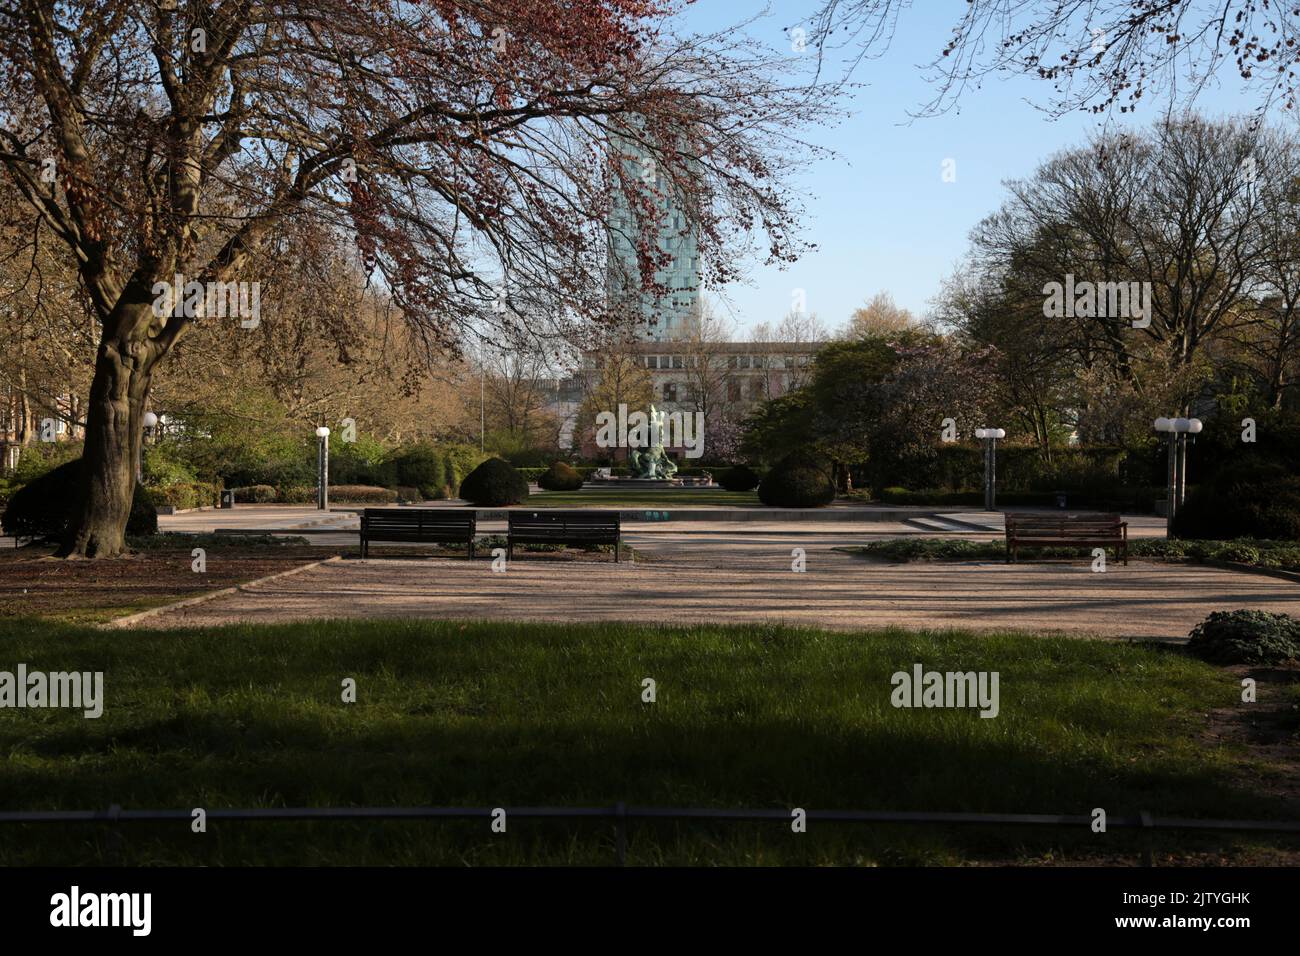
(880,211)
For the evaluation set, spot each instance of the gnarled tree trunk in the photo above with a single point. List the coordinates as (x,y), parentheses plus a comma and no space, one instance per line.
(111,459)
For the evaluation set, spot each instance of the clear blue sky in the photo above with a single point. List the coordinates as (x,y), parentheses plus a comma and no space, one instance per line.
(881,213)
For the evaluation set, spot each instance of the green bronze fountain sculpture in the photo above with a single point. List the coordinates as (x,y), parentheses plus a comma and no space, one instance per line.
(652,462)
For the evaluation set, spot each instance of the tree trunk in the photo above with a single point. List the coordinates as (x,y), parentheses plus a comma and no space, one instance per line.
(111,459)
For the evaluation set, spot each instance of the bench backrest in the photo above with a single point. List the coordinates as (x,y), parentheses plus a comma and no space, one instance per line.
(562,521)
(1047,523)
(378,520)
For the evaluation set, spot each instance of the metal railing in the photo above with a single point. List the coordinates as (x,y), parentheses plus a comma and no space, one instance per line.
(622,815)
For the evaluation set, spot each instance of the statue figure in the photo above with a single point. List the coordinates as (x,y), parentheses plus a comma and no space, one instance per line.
(653,462)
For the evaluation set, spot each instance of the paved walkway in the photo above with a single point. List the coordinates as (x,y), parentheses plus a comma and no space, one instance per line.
(750,579)
(291,519)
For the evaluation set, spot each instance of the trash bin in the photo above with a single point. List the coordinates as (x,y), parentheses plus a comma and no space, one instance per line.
(228,498)
(1060,499)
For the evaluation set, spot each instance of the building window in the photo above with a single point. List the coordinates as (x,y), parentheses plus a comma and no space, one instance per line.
(733,392)
(670,392)
(744,361)
(678,362)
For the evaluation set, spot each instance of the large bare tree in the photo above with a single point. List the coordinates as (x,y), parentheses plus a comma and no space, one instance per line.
(1097,55)
(463,144)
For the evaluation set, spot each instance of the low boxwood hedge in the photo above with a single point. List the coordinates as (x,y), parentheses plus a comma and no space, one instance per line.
(255,495)
(362,494)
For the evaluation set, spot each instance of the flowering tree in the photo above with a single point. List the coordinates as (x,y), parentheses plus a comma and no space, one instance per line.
(463,144)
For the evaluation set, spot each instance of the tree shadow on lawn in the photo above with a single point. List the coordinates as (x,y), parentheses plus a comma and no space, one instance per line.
(925,761)
(206,761)
(518,714)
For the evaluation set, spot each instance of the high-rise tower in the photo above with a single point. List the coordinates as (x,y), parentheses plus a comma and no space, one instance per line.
(664,314)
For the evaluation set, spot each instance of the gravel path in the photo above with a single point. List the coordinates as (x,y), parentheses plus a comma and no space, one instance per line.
(753,581)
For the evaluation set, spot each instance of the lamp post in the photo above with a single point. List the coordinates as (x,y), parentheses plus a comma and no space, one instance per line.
(1178,430)
(149,420)
(323,469)
(990,437)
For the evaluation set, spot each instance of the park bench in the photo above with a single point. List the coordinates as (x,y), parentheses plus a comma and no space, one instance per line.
(442,525)
(562,527)
(1058,530)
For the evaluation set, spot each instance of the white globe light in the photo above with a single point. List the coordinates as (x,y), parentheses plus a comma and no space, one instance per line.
(1164,425)
(322,432)
(999,432)
(1182,424)
(981,433)
(1195,426)
(150,419)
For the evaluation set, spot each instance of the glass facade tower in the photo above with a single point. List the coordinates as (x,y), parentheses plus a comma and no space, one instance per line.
(662,313)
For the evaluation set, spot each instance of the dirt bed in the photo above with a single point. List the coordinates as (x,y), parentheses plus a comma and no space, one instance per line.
(34,583)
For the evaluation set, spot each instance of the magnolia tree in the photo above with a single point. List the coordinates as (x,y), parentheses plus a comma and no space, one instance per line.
(464,145)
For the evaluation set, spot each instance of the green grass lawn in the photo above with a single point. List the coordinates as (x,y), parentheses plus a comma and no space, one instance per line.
(634,498)
(514,714)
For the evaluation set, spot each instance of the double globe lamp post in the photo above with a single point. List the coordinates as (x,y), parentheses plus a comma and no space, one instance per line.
(990,438)
(1178,430)
(323,469)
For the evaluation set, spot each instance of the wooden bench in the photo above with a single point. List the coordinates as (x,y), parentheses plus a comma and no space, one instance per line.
(1049,530)
(443,525)
(562,527)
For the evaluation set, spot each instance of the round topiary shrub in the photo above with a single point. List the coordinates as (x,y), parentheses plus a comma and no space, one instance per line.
(42,507)
(1246,637)
(796,484)
(493,484)
(560,477)
(738,478)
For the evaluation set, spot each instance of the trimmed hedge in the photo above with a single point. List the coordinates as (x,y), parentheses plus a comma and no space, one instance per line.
(1116,499)
(739,478)
(560,477)
(294,494)
(363,494)
(1249,500)
(255,495)
(184,495)
(43,507)
(493,484)
(795,484)
(1246,637)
